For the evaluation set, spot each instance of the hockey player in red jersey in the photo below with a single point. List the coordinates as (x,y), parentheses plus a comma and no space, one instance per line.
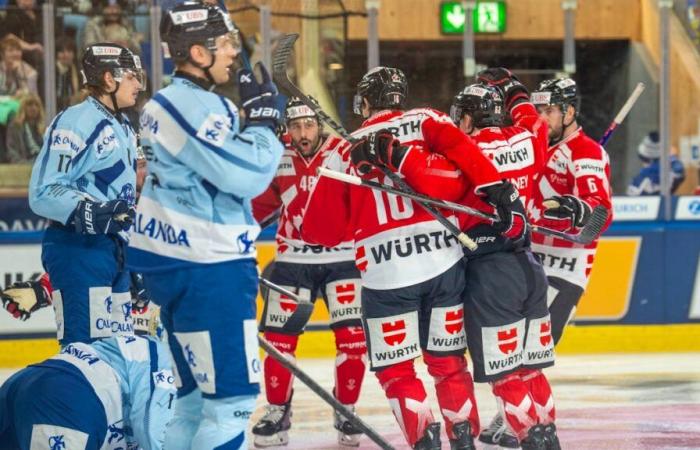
(412,268)
(308,270)
(575,179)
(508,325)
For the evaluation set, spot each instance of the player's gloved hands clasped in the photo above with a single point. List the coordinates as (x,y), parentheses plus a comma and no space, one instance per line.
(262,103)
(109,217)
(514,92)
(22,298)
(567,212)
(378,148)
(510,210)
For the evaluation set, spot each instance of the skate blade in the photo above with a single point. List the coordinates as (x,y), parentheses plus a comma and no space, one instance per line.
(349,440)
(276,440)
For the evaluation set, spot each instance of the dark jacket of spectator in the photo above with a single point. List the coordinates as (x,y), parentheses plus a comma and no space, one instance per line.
(67,74)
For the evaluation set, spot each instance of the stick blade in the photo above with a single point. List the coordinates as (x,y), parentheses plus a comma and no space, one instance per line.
(284,49)
(595,225)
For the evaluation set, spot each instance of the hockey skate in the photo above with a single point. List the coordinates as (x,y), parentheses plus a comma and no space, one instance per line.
(535,439)
(464,439)
(430,439)
(497,433)
(348,434)
(271,429)
(550,437)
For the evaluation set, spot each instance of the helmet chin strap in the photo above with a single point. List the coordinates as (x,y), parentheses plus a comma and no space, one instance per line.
(113,97)
(564,127)
(206,68)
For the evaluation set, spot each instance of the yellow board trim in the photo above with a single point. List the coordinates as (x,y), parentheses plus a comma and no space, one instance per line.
(320,344)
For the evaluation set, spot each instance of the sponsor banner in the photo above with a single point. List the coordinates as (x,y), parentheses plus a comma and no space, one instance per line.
(15,215)
(636,208)
(688,208)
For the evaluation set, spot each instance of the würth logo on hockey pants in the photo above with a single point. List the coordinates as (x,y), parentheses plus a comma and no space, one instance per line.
(394,332)
(545,333)
(446,331)
(454,321)
(287,304)
(393,339)
(539,346)
(508,340)
(345,293)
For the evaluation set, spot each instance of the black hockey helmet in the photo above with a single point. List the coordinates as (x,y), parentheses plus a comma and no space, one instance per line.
(383,87)
(194,23)
(557,92)
(108,57)
(296,109)
(482,102)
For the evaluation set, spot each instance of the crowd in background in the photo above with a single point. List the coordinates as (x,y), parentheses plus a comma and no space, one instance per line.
(126,22)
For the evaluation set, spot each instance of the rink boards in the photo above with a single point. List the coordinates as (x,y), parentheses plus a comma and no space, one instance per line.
(644,292)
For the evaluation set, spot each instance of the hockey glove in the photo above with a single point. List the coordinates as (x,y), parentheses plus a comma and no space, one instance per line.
(363,156)
(505,198)
(514,92)
(24,297)
(388,149)
(262,103)
(109,217)
(139,298)
(567,212)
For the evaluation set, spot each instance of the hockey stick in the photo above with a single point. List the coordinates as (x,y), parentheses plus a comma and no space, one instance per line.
(325,395)
(301,314)
(623,113)
(587,234)
(279,75)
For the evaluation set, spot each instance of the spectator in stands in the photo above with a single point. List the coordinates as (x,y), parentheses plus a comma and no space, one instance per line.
(67,74)
(111,26)
(16,76)
(648,181)
(25,132)
(24,23)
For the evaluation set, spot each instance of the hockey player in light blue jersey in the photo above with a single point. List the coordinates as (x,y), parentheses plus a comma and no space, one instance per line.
(83,181)
(193,238)
(116,393)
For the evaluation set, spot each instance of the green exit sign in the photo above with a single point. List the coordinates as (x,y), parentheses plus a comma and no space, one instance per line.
(489,17)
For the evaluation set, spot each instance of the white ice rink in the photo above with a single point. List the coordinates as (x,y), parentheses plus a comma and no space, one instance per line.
(616,402)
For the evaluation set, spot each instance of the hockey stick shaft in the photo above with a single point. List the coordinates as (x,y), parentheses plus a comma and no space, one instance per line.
(586,235)
(279,74)
(325,395)
(622,113)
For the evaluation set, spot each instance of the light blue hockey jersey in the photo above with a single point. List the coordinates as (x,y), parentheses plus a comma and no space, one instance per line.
(87,154)
(146,379)
(203,171)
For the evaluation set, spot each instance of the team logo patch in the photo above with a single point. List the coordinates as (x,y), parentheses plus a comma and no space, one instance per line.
(100,308)
(393,339)
(503,347)
(447,329)
(343,296)
(196,349)
(280,307)
(54,437)
(539,346)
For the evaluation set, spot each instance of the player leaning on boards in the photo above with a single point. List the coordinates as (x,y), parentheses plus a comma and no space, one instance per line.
(308,270)
(508,325)
(83,180)
(194,231)
(411,266)
(575,179)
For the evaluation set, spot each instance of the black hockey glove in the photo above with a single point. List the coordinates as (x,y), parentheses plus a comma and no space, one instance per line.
(22,298)
(109,217)
(139,297)
(378,148)
(510,210)
(514,92)
(262,103)
(363,156)
(570,211)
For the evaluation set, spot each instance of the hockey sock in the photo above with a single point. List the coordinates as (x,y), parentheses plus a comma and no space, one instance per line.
(278,380)
(515,403)
(455,390)
(407,398)
(541,393)
(224,423)
(186,418)
(350,363)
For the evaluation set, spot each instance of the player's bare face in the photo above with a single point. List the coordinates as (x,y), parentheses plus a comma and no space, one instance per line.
(226,52)
(466,124)
(553,115)
(128,92)
(305,134)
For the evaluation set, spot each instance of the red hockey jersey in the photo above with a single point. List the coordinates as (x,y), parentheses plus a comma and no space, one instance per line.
(579,166)
(397,243)
(289,191)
